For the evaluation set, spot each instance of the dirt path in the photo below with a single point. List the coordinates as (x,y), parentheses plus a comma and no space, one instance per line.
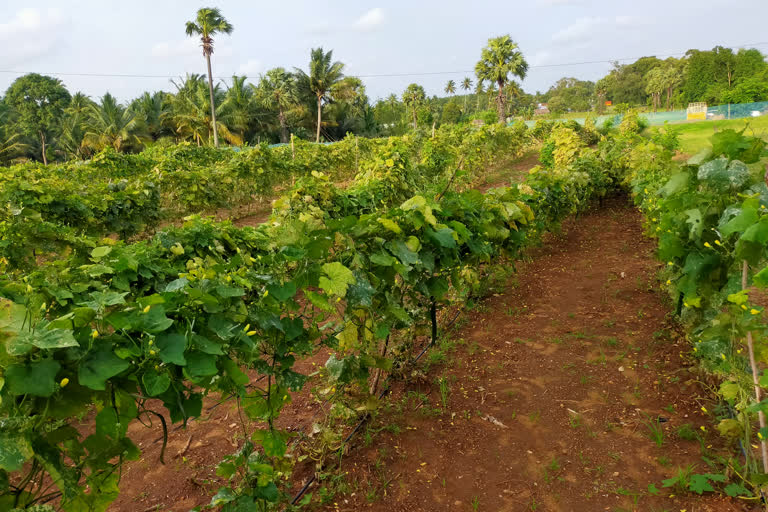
(547,395)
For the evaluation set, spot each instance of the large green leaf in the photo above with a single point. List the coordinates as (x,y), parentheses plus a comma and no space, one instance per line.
(172,347)
(15,450)
(100,365)
(336,278)
(36,378)
(724,176)
(42,338)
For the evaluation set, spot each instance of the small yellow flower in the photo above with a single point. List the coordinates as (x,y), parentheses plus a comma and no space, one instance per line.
(247,326)
(760,435)
(64,382)
(266,292)
(152,352)
(703,428)
(717,242)
(150,343)
(738,351)
(754,311)
(743,307)
(669,281)
(670,263)
(723,356)
(704,410)
(157,367)
(707,245)
(95,333)
(251,333)
(146,309)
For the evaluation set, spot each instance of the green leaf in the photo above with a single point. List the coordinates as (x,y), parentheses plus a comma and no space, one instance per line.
(98,366)
(336,278)
(723,177)
(100,252)
(444,237)
(15,450)
(176,285)
(154,320)
(230,291)
(171,347)
(234,372)
(390,225)
(653,490)
(348,337)
(224,496)
(733,490)
(761,278)
(272,441)
(282,292)
(37,378)
(155,383)
(383,259)
(676,183)
(699,484)
(77,317)
(42,338)
(201,365)
(695,220)
(320,301)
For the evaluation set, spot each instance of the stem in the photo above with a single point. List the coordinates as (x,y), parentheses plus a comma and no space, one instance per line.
(433,318)
(755,379)
(213,105)
(319,116)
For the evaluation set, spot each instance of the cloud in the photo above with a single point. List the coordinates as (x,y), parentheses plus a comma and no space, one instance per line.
(251,68)
(586,28)
(186,48)
(370,20)
(32,33)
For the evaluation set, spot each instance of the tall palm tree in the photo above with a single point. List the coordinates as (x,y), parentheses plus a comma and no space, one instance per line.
(479,90)
(498,60)
(111,124)
(277,91)
(413,97)
(466,85)
(323,74)
(189,112)
(450,87)
(149,108)
(208,23)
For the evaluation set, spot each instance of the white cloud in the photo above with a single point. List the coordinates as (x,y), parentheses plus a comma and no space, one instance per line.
(251,68)
(586,28)
(370,20)
(186,48)
(32,33)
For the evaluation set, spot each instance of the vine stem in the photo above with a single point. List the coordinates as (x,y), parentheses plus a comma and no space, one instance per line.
(755,378)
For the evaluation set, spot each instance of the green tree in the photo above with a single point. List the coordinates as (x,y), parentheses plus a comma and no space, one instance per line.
(110,124)
(451,113)
(189,111)
(466,85)
(208,23)
(323,74)
(277,92)
(655,85)
(238,108)
(149,107)
(11,146)
(37,103)
(500,59)
(413,97)
(450,87)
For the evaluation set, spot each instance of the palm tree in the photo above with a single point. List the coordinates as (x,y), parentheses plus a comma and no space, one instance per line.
(323,74)
(450,87)
(237,109)
(466,85)
(209,22)
(413,97)
(189,112)
(479,90)
(150,108)
(498,60)
(277,91)
(111,124)
(11,146)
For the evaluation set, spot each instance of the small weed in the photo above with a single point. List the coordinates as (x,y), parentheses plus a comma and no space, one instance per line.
(655,432)
(535,416)
(475,503)
(663,460)
(445,390)
(687,433)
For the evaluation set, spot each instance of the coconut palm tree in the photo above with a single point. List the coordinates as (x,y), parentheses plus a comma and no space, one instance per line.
(277,92)
(450,87)
(413,97)
(208,23)
(150,107)
(189,112)
(479,90)
(498,60)
(323,74)
(238,107)
(11,146)
(110,124)
(466,85)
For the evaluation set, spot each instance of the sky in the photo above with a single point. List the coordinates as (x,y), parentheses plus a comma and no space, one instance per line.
(388,45)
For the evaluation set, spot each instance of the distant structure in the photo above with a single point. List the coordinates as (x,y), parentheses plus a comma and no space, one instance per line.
(542,109)
(696,112)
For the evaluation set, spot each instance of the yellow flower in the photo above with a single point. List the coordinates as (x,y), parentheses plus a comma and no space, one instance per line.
(754,311)
(723,356)
(266,292)
(247,326)
(151,343)
(670,263)
(251,333)
(64,382)
(669,281)
(703,428)
(95,333)
(707,244)
(717,242)
(146,309)
(760,435)
(743,307)
(152,352)
(704,410)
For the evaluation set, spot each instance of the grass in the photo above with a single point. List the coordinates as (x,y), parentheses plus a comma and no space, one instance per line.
(695,136)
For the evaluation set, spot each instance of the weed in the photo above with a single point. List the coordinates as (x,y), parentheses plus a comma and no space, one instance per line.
(655,431)
(687,433)
(475,503)
(444,391)
(535,416)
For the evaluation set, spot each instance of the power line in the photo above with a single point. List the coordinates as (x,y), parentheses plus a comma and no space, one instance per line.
(378,75)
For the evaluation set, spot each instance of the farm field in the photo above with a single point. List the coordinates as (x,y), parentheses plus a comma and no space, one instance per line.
(405,305)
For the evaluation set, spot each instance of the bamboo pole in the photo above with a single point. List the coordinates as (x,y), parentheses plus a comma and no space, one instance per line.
(755,378)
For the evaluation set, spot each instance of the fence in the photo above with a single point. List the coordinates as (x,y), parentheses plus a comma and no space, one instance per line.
(714,113)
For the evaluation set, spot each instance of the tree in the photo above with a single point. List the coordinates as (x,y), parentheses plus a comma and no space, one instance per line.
(655,84)
(500,59)
(208,23)
(323,74)
(189,113)
(451,113)
(277,92)
(479,90)
(37,103)
(671,78)
(450,87)
(414,97)
(11,146)
(110,124)
(149,108)
(466,85)
(237,109)
(570,94)
(601,89)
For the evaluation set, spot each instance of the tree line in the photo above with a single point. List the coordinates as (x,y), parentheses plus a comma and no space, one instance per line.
(40,120)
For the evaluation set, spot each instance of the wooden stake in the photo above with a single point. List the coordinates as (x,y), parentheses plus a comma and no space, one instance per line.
(755,378)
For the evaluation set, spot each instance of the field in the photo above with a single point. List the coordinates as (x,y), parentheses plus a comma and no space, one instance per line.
(695,136)
(493,318)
